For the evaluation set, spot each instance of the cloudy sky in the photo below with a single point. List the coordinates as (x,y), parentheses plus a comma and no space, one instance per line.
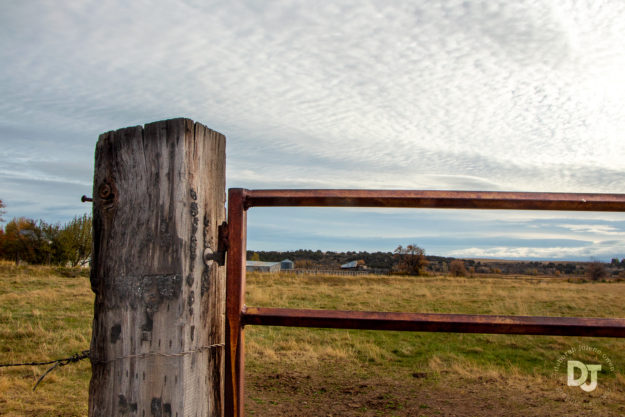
(473,95)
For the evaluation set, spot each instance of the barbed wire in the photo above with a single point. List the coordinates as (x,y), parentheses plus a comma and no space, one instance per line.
(62,362)
(86,354)
(147,354)
(58,363)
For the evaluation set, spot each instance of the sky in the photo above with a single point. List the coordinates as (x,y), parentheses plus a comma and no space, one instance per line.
(454,95)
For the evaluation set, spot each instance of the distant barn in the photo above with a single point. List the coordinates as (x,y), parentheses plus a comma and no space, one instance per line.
(350,265)
(287,264)
(259,266)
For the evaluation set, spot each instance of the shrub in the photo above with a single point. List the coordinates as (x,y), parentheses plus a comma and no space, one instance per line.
(596,271)
(457,268)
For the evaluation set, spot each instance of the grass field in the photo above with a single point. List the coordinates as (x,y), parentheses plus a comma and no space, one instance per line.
(317,372)
(43,316)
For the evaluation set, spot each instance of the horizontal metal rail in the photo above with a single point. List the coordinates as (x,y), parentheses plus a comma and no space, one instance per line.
(434,199)
(238,315)
(432,322)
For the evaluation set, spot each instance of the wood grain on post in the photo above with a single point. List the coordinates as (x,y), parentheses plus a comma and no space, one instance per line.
(158,328)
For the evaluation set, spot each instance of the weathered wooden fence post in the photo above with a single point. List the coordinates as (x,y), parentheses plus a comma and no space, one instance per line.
(158,328)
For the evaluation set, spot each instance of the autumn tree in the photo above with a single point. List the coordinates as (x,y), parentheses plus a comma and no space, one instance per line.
(75,239)
(37,242)
(596,271)
(457,268)
(19,240)
(410,260)
(49,249)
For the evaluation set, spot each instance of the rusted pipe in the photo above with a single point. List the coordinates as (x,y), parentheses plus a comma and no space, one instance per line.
(235,298)
(432,322)
(435,199)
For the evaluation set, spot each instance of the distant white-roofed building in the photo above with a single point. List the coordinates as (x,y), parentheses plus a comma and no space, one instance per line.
(350,265)
(259,266)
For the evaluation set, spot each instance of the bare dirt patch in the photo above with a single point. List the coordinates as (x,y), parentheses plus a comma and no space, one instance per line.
(330,391)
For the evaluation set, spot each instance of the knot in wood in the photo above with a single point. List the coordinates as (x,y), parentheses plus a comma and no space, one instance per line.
(104,191)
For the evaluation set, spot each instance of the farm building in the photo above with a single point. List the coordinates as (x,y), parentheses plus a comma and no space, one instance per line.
(355,265)
(287,264)
(350,265)
(262,266)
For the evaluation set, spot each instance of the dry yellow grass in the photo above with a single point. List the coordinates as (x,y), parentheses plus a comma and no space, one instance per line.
(439,294)
(45,316)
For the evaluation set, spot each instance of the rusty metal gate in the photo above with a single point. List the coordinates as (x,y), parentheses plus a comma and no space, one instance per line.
(239,315)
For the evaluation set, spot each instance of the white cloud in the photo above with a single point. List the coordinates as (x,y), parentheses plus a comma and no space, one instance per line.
(597,229)
(583,253)
(491,95)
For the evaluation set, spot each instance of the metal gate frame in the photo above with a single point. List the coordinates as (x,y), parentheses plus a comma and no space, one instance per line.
(239,315)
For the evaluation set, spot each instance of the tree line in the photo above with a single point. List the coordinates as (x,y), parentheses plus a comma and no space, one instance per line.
(412,260)
(38,242)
